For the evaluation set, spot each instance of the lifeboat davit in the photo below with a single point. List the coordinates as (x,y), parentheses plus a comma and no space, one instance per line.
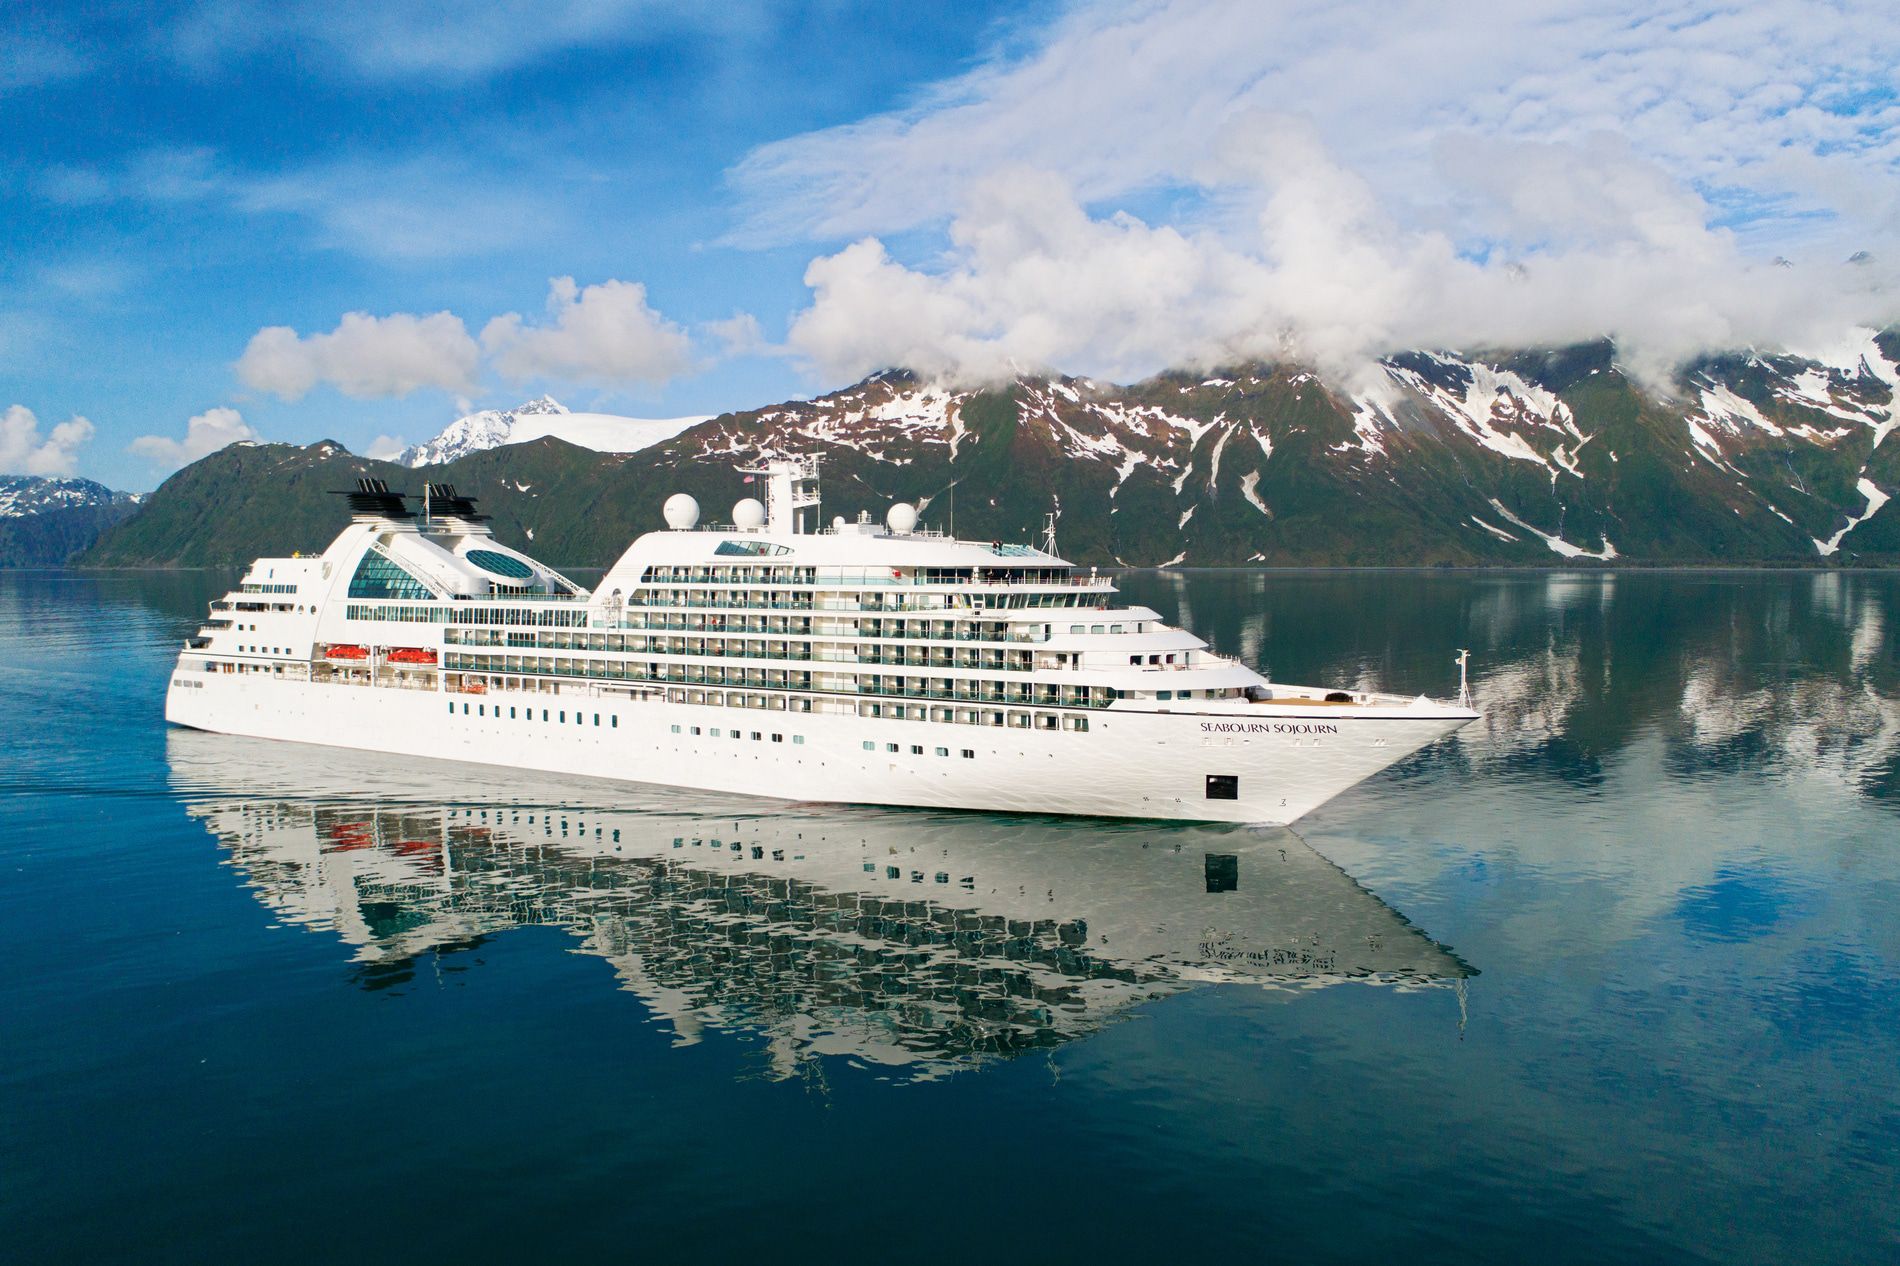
(347,652)
(411,655)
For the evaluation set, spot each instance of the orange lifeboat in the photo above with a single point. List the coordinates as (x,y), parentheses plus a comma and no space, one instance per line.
(347,652)
(411,655)
(475,688)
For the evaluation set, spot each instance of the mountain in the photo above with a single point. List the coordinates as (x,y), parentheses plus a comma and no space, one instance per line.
(1523,458)
(492,428)
(45,521)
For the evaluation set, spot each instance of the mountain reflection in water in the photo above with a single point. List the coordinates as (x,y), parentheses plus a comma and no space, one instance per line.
(1784,673)
(916,942)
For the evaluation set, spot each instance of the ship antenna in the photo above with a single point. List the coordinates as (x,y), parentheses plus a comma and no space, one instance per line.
(1464,680)
(1049,533)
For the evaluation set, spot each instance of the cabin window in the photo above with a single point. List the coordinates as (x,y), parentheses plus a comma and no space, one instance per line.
(778,738)
(676,729)
(564,721)
(969,754)
(613,723)
(916,749)
(1164,695)
(1223,786)
(892,747)
(695,729)
(943,751)
(869,746)
(544,714)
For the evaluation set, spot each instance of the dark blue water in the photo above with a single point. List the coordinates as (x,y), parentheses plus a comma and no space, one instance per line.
(1611,977)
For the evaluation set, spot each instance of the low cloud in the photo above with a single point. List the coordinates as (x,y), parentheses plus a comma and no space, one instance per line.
(606,335)
(204,434)
(365,356)
(25,451)
(1310,265)
(386,448)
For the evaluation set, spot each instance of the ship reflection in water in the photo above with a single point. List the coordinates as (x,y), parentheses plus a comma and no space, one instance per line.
(916,942)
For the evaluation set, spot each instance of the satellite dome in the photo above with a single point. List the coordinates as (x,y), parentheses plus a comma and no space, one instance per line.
(902,518)
(748,514)
(681,511)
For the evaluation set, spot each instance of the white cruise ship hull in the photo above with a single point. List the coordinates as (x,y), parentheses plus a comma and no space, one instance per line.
(1284,761)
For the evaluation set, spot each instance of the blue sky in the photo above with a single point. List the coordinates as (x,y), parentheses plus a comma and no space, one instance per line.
(752,201)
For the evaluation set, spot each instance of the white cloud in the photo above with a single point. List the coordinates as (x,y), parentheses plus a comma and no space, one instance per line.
(405,208)
(24,451)
(365,356)
(1323,274)
(1120,98)
(605,334)
(205,434)
(386,448)
(1339,182)
(738,335)
(32,59)
(444,39)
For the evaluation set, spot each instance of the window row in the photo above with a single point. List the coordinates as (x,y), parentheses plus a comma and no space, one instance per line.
(756,735)
(917,749)
(555,716)
(964,688)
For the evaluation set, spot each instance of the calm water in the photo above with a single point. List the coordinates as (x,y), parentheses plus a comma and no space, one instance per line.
(1610,977)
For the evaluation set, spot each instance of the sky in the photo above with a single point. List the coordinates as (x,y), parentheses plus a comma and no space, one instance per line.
(294,221)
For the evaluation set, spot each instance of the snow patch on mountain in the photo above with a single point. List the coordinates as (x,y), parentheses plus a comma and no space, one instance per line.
(1875,499)
(545,416)
(1249,484)
(1557,543)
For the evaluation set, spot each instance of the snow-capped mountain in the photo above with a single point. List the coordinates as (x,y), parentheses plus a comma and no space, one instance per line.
(36,494)
(1534,457)
(45,521)
(491,428)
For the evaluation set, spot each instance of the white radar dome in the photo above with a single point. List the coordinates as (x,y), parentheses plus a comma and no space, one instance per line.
(748,513)
(681,511)
(902,518)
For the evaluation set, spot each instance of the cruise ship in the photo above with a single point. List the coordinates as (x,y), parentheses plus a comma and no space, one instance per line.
(913,943)
(857,662)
